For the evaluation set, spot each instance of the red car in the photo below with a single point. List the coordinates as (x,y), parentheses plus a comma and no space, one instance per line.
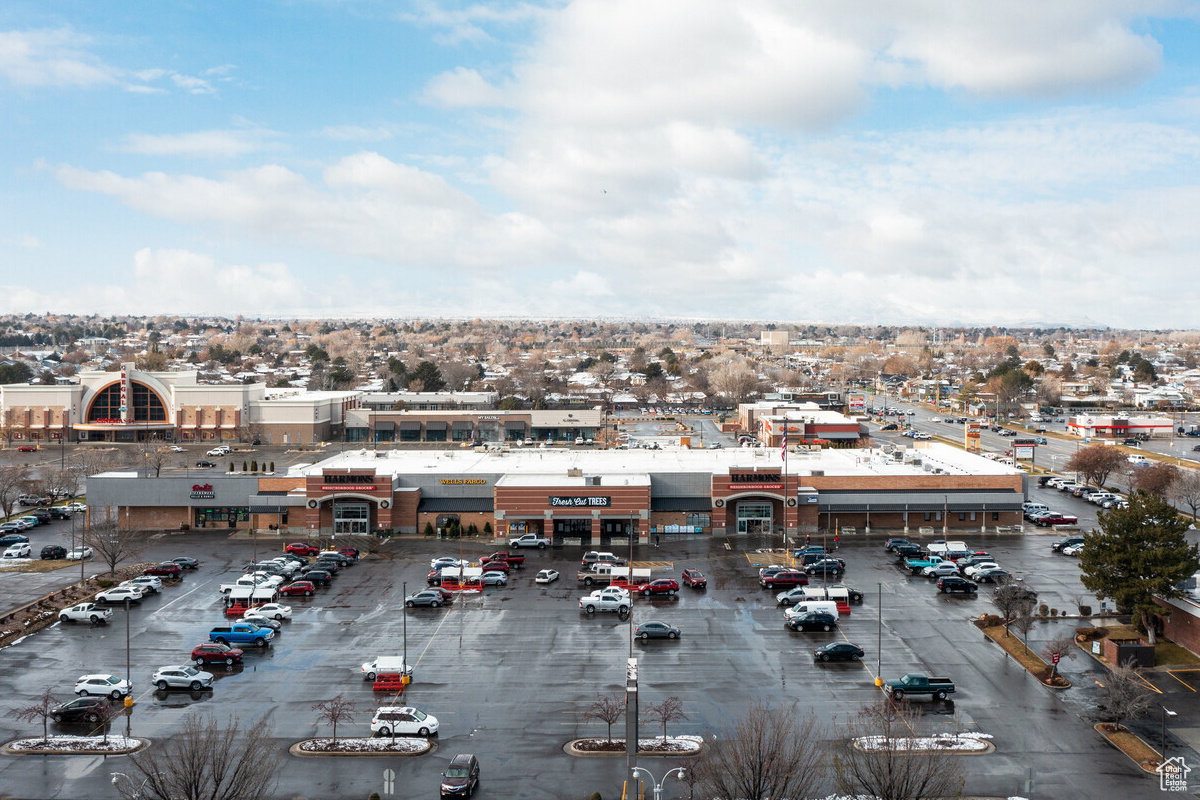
(349,552)
(498,566)
(302,549)
(27,448)
(660,586)
(302,588)
(214,653)
(695,578)
(1056,519)
(168,569)
(784,579)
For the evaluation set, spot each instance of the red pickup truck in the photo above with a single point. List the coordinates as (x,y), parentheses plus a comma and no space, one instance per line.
(515,560)
(1056,519)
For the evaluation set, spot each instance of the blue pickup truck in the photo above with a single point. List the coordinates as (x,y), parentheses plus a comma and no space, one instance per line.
(919,563)
(241,633)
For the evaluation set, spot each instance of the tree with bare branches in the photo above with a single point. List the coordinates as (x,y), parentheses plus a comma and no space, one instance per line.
(878,763)
(41,710)
(112,543)
(1156,479)
(1009,599)
(1186,490)
(1124,695)
(1064,646)
(207,760)
(335,711)
(607,708)
(668,710)
(12,479)
(155,456)
(1096,462)
(768,754)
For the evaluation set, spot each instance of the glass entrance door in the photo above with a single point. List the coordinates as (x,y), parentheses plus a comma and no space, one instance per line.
(351,518)
(754,518)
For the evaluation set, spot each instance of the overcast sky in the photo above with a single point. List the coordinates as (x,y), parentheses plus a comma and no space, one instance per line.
(889,161)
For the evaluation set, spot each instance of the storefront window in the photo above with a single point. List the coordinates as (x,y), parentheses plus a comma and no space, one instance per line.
(699,520)
(572,527)
(435,436)
(227,517)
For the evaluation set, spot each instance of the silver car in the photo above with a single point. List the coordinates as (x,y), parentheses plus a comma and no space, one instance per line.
(182,677)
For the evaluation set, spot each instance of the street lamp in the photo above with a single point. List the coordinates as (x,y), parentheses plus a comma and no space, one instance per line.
(659,786)
(1163,730)
(137,793)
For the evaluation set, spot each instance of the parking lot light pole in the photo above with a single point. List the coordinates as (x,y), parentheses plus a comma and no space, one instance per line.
(136,793)
(128,678)
(1163,730)
(879,644)
(658,787)
(404,634)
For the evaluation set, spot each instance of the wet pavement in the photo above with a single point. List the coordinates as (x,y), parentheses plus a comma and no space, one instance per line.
(509,673)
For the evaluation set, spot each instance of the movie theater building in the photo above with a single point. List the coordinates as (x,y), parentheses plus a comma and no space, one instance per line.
(130,405)
(585,496)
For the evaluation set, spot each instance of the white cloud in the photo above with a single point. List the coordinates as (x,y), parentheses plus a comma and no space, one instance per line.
(51,58)
(463,88)
(469,23)
(357,133)
(206,144)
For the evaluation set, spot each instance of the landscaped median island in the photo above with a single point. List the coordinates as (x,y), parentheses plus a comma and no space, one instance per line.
(374,746)
(657,746)
(1131,745)
(993,628)
(75,745)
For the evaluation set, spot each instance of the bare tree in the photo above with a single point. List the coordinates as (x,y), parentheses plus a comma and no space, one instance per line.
(1096,462)
(107,712)
(736,380)
(878,762)
(41,710)
(1024,620)
(206,760)
(1064,646)
(767,754)
(64,483)
(12,478)
(1124,695)
(155,456)
(1186,490)
(668,710)
(113,543)
(1156,479)
(1009,599)
(607,708)
(335,711)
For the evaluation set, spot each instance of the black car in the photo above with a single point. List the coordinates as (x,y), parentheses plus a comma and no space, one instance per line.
(891,544)
(993,576)
(318,576)
(41,515)
(813,621)
(952,583)
(53,552)
(13,538)
(205,464)
(853,595)
(186,562)
(60,512)
(328,565)
(813,557)
(461,777)
(904,551)
(1066,541)
(825,569)
(838,651)
(81,709)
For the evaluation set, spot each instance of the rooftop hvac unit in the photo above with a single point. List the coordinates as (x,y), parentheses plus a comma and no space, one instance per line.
(591,480)
(574,472)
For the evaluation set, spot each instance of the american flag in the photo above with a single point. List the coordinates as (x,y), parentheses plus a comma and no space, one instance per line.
(785,444)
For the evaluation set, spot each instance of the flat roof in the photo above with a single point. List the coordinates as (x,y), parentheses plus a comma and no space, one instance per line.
(536,461)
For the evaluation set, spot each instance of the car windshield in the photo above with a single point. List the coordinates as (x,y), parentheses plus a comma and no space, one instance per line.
(419,715)
(112,680)
(457,772)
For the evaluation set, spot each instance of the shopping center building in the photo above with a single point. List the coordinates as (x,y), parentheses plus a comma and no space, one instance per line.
(584,496)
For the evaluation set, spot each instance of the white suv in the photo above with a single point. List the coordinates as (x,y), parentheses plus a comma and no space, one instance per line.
(222,450)
(102,685)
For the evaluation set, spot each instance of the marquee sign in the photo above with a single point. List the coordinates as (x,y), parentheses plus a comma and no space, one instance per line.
(203,491)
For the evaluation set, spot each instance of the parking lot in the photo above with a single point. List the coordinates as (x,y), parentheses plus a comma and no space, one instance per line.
(508,673)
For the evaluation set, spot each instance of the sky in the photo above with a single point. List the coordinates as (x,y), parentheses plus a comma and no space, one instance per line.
(908,162)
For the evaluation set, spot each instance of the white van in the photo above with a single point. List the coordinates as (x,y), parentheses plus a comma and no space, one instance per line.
(384,664)
(806,606)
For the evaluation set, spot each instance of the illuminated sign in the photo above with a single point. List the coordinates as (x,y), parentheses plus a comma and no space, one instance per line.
(203,491)
(755,477)
(462,481)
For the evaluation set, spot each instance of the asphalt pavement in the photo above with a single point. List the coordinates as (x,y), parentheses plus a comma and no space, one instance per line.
(509,673)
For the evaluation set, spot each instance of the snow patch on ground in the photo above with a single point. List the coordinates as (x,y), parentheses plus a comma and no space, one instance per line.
(401,744)
(115,744)
(961,741)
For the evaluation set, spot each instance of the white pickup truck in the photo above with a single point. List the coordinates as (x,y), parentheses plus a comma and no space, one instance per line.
(607,599)
(530,540)
(85,612)
(260,579)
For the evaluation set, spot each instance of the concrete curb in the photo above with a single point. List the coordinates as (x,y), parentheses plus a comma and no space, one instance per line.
(295,750)
(1147,771)
(570,749)
(7,750)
